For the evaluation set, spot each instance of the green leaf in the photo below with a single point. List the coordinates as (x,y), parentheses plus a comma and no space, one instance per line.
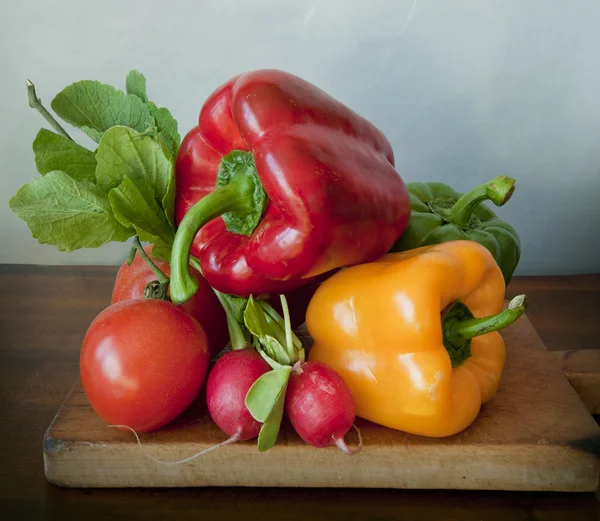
(237,305)
(265,401)
(55,152)
(167,128)
(161,251)
(165,122)
(168,201)
(124,152)
(275,350)
(267,437)
(266,357)
(94,134)
(135,206)
(66,213)
(95,107)
(272,316)
(136,85)
(262,396)
(268,332)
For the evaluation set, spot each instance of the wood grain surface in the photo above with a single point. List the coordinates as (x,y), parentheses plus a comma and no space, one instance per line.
(534,435)
(582,369)
(43,317)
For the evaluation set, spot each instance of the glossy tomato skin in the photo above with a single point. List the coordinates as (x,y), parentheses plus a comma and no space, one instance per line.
(203,306)
(142,363)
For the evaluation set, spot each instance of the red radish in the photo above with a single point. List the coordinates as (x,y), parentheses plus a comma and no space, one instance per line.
(228,383)
(320,406)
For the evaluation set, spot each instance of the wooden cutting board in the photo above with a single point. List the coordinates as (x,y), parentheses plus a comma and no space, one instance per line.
(536,434)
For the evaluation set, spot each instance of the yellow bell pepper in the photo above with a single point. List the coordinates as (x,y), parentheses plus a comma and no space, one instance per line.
(403,335)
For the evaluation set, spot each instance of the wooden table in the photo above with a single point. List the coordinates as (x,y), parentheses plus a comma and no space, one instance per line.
(44,314)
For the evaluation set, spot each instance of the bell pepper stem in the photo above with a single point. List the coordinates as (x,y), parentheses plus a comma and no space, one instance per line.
(498,190)
(35,103)
(470,328)
(236,197)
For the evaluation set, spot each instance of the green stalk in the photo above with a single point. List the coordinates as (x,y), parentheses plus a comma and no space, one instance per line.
(288,328)
(236,197)
(459,326)
(498,190)
(162,278)
(151,291)
(236,334)
(470,328)
(35,103)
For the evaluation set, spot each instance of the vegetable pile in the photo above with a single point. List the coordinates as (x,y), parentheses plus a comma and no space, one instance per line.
(282,205)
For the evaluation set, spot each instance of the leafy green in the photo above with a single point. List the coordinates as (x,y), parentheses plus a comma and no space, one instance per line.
(281,324)
(168,200)
(55,152)
(136,84)
(265,400)
(267,437)
(270,336)
(67,213)
(125,187)
(237,306)
(135,206)
(266,357)
(124,152)
(161,251)
(262,396)
(95,107)
(167,128)
(164,120)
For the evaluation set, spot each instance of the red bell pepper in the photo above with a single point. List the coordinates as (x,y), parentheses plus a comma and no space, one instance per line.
(304,185)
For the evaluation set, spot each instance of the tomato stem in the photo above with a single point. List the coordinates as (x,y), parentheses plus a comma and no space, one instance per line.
(151,290)
(132,253)
(35,103)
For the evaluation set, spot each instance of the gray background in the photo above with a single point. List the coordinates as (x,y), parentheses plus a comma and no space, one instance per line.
(465,90)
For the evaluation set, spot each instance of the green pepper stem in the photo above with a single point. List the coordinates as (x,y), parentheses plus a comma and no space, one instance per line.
(35,103)
(237,197)
(470,328)
(498,190)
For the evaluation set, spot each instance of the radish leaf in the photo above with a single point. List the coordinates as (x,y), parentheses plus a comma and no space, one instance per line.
(66,213)
(95,107)
(55,152)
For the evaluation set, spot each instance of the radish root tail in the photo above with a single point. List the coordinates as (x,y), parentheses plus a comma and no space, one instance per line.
(228,441)
(342,444)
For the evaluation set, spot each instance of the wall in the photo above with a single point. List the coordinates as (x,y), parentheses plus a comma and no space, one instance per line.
(465,90)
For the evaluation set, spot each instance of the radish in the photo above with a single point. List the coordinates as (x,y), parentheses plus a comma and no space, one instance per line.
(228,383)
(320,406)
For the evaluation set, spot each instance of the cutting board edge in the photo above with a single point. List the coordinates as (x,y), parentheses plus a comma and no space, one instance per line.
(572,468)
(62,468)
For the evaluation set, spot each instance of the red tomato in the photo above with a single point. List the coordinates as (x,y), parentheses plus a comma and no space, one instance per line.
(142,363)
(203,306)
